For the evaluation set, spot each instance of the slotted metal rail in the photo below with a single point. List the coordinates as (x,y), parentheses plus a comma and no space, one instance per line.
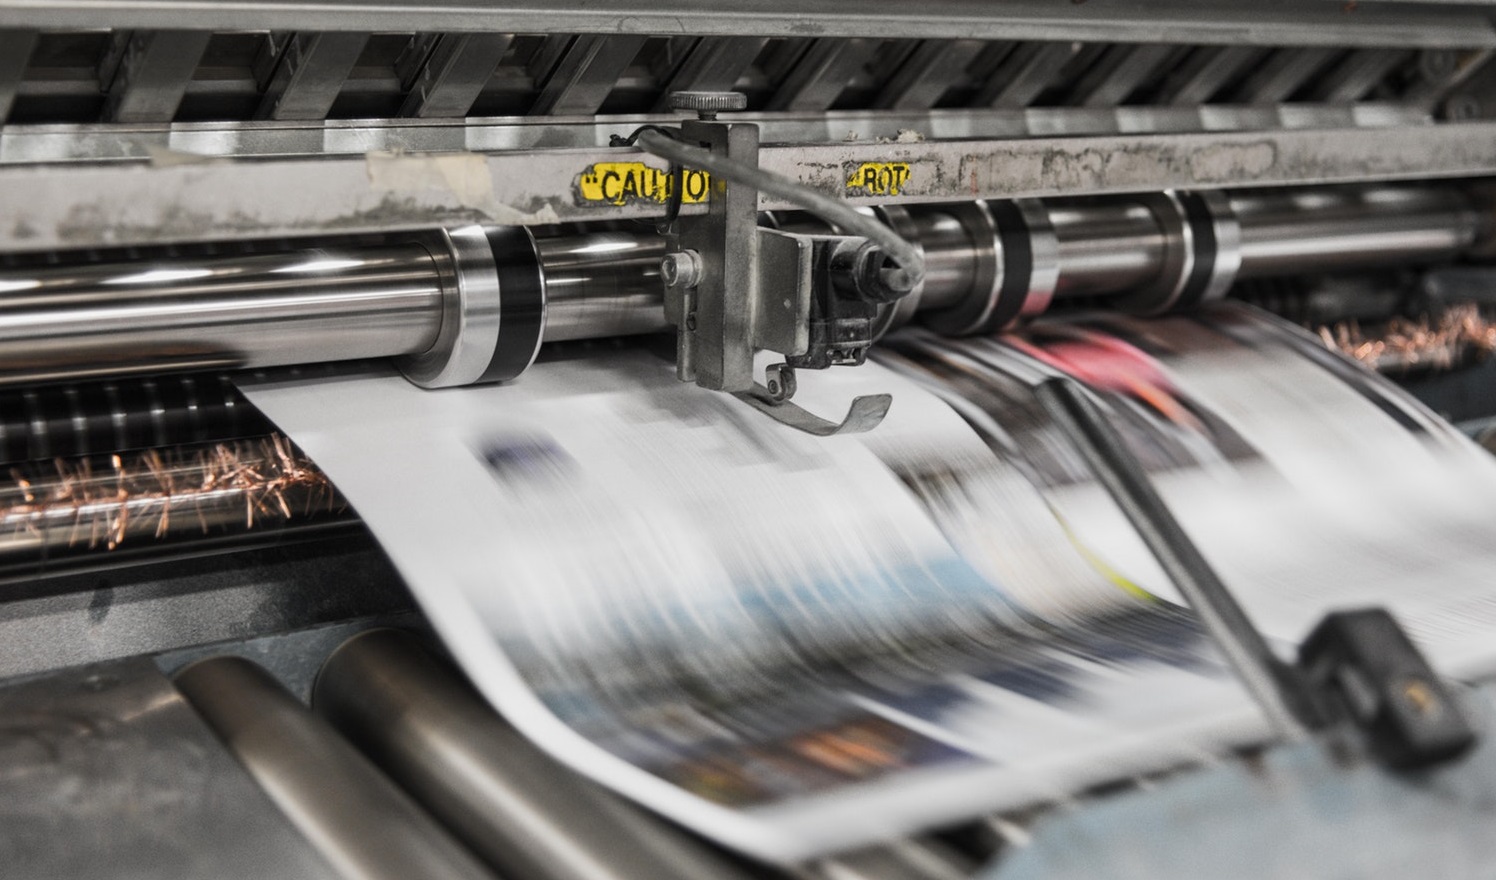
(163,76)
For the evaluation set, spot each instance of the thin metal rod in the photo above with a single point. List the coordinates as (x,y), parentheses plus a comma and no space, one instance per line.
(1274,684)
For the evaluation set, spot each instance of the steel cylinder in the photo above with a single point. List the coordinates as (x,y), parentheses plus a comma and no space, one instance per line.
(1105,247)
(474,304)
(525,814)
(361,823)
(248,311)
(950,258)
(602,284)
(1285,233)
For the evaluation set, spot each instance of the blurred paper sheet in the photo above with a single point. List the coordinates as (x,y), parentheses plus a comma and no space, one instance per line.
(789,644)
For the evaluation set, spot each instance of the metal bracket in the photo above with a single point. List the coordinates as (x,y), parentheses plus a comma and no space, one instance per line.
(773,400)
(733,288)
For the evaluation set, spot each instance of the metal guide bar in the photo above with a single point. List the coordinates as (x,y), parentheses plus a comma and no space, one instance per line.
(102,143)
(46,208)
(153,75)
(714,64)
(585,74)
(1282,74)
(928,73)
(1205,73)
(310,74)
(15,51)
(1216,22)
(1025,73)
(821,74)
(454,74)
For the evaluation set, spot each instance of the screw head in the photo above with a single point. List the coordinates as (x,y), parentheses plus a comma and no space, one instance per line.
(708,104)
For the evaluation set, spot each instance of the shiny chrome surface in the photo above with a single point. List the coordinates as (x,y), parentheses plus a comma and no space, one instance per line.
(1105,247)
(360,822)
(469,318)
(521,811)
(251,311)
(444,308)
(602,284)
(950,258)
(1326,230)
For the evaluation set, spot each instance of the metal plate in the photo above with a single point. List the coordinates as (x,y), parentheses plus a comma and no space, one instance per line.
(1217,21)
(47,208)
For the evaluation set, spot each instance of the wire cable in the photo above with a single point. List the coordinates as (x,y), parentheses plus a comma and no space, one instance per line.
(909,261)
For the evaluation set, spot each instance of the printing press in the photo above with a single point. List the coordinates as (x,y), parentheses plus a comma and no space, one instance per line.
(209,665)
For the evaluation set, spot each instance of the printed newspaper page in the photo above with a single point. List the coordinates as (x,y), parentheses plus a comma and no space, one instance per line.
(790,644)
(795,645)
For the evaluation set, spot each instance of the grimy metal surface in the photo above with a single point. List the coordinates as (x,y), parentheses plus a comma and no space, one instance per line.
(50,208)
(105,771)
(1279,21)
(195,141)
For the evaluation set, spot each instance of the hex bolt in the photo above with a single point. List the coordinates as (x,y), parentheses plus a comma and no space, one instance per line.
(681,269)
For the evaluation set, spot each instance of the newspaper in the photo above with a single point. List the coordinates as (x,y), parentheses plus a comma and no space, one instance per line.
(796,645)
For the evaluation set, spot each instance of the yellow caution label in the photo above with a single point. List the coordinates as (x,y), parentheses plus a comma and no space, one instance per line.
(878,179)
(624,183)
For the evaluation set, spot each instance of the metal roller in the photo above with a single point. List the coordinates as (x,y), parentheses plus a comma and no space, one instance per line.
(511,803)
(361,823)
(62,510)
(64,421)
(1285,233)
(248,311)
(474,304)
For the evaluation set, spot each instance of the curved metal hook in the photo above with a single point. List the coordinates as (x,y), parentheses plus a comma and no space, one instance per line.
(865,413)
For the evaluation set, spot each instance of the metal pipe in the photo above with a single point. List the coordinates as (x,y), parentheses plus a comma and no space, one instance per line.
(1105,247)
(518,809)
(602,284)
(950,258)
(250,311)
(442,303)
(1328,230)
(364,826)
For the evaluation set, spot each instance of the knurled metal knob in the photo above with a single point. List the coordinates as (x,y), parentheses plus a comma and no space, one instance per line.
(708,104)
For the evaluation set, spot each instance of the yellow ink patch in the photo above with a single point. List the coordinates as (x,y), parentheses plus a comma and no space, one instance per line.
(878,178)
(625,183)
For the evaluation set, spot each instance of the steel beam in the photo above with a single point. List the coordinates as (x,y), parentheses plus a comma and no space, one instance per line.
(48,208)
(1217,22)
